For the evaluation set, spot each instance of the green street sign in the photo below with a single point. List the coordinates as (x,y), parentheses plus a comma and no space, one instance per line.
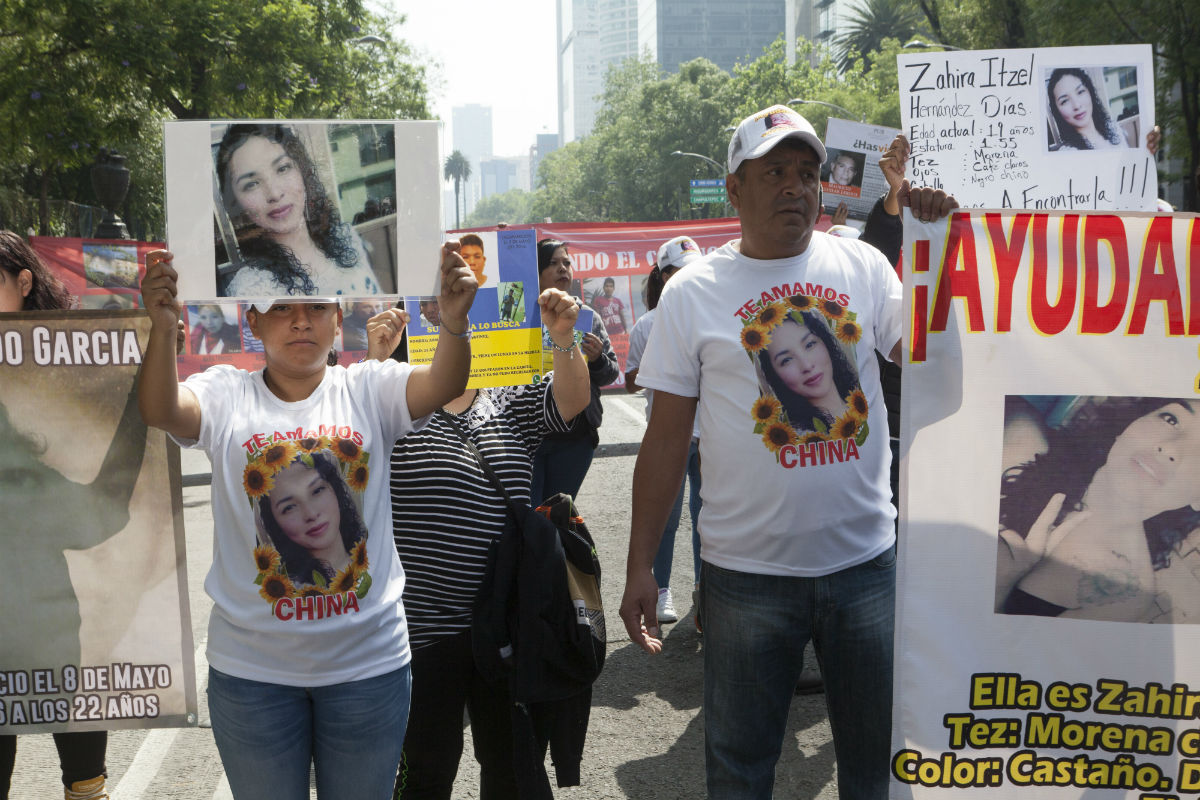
(707,194)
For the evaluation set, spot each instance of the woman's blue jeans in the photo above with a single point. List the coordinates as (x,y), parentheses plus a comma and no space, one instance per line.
(269,735)
(666,547)
(755,631)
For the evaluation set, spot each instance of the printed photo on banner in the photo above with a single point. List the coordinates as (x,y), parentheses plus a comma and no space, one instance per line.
(303,208)
(851,173)
(1114,484)
(1055,129)
(1047,588)
(96,627)
(610,297)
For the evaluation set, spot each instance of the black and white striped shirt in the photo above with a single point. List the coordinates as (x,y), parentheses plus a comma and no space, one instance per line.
(445,511)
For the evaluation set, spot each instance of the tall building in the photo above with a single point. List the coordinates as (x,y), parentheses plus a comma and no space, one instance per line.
(592,34)
(472,132)
(546,144)
(823,22)
(498,175)
(725,32)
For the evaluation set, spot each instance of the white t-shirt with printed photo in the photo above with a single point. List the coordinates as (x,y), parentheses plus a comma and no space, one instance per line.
(305,579)
(789,488)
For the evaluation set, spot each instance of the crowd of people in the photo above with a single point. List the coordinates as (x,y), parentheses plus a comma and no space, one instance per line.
(305,517)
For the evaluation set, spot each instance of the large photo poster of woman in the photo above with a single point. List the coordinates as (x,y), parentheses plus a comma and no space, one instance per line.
(95,625)
(303,208)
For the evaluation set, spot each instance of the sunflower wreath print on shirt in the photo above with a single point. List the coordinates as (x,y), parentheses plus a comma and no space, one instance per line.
(803,351)
(306,495)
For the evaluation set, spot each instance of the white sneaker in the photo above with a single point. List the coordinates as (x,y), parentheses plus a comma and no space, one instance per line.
(666,607)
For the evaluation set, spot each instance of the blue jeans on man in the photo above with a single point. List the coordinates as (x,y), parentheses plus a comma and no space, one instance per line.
(755,630)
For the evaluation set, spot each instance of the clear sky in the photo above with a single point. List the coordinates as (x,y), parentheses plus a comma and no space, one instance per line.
(492,53)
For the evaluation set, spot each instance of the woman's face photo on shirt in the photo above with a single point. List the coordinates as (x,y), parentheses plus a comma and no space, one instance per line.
(802,361)
(306,509)
(267,186)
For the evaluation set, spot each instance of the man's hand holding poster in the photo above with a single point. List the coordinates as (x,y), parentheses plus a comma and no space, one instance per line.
(95,627)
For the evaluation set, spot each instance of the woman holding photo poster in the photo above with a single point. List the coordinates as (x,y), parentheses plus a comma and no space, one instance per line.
(307,646)
(289,234)
(1079,113)
(1086,525)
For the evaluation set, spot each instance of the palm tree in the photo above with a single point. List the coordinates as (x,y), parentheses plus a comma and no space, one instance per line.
(457,168)
(871,22)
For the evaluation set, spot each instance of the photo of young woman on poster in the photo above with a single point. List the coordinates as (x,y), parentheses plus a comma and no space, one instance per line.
(278,222)
(1079,116)
(1101,509)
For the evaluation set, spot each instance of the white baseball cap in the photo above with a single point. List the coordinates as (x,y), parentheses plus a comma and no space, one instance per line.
(678,252)
(760,132)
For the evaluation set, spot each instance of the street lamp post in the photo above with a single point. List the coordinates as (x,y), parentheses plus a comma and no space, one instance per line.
(862,117)
(715,164)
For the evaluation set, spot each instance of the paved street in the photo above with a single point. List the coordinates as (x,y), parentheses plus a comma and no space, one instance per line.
(646,735)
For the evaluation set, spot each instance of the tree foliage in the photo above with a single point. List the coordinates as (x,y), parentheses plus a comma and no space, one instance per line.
(75,76)
(874,21)
(626,171)
(511,207)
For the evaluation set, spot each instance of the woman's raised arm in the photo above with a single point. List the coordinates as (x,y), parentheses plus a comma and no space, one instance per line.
(160,400)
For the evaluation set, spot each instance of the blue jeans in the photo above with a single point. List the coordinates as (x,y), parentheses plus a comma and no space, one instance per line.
(666,547)
(560,465)
(268,736)
(755,631)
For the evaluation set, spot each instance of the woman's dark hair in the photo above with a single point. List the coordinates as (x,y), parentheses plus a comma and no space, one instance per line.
(800,412)
(47,292)
(1076,452)
(546,248)
(321,216)
(299,563)
(1100,115)
(655,282)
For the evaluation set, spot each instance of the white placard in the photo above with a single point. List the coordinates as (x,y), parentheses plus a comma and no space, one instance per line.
(270,208)
(1059,128)
(851,173)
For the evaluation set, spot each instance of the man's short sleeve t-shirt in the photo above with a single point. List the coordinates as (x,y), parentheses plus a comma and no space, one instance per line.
(793,429)
(305,579)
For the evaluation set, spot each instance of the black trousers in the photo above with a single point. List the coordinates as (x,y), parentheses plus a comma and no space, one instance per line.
(445,682)
(81,756)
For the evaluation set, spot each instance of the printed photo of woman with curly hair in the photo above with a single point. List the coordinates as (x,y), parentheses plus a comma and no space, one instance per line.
(808,371)
(282,231)
(1092,522)
(311,520)
(1079,118)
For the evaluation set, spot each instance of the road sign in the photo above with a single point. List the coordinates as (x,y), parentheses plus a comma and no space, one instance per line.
(695,183)
(707,194)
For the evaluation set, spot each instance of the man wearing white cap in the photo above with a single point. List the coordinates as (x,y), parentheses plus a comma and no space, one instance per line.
(673,255)
(769,343)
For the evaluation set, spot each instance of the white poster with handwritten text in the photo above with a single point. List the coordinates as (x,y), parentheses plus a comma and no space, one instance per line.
(1055,129)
